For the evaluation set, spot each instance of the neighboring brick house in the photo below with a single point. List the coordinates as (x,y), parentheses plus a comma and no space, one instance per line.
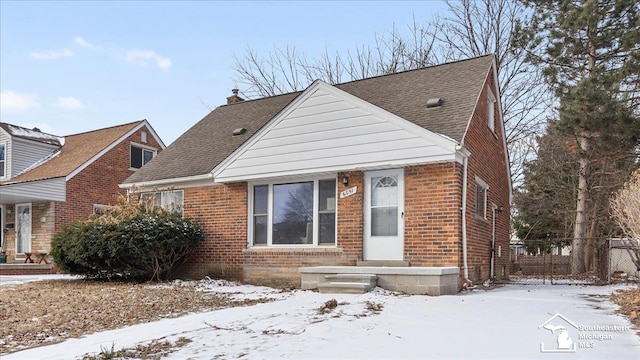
(375,171)
(47,181)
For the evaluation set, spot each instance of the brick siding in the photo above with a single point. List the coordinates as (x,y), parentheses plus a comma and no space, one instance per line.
(433,229)
(488,162)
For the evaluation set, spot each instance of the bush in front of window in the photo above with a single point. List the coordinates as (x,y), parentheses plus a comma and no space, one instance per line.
(129,242)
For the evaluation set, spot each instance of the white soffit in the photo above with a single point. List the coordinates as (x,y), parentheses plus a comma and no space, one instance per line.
(326,129)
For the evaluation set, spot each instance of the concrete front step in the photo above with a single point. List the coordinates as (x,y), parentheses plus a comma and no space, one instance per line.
(410,280)
(348,283)
(370,279)
(344,288)
(383,263)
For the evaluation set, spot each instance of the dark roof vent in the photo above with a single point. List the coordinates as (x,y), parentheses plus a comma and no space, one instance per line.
(435,102)
(239,131)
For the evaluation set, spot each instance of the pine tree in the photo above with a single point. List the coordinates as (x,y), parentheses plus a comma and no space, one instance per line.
(590,51)
(548,190)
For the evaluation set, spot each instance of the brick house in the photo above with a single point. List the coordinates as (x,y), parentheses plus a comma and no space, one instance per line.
(407,170)
(48,181)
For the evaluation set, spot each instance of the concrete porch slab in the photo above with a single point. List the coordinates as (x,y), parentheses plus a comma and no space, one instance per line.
(410,280)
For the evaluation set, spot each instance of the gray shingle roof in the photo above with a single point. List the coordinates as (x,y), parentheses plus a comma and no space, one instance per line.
(210,141)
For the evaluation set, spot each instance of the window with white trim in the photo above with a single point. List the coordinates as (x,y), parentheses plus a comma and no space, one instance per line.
(3,160)
(491,110)
(294,213)
(169,200)
(141,155)
(481,198)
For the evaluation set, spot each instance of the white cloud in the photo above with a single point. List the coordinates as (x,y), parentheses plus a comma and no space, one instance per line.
(143,57)
(50,55)
(69,103)
(15,101)
(82,42)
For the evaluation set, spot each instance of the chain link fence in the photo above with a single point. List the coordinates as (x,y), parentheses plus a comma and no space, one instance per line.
(549,261)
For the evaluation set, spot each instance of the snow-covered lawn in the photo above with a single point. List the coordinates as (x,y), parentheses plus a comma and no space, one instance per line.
(502,323)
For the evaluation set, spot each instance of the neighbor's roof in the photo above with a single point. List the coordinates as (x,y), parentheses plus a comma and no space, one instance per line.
(77,150)
(31,134)
(199,150)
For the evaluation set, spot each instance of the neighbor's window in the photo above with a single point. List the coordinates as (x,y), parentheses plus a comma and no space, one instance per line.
(170,200)
(481,198)
(301,213)
(491,110)
(3,162)
(99,209)
(140,156)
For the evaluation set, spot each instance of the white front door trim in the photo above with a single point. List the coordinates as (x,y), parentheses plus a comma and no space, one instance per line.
(23,227)
(388,246)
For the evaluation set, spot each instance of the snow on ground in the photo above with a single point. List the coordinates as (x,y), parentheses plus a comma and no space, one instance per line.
(498,324)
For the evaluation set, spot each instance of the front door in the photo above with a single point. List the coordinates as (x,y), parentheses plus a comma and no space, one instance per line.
(384,215)
(23,228)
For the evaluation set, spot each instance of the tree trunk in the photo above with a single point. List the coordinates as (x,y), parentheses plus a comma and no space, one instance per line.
(580,229)
(590,256)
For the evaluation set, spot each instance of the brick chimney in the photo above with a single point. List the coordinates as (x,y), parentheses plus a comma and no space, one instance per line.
(234,98)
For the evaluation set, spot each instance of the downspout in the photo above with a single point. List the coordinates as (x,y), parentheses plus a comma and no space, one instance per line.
(465,264)
(494,207)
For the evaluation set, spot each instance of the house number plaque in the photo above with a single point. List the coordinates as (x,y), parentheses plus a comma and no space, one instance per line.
(348,192)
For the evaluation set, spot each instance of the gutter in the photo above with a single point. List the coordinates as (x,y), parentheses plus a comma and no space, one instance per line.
(167,182)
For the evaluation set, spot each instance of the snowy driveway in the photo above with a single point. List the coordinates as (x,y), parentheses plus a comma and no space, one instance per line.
(497,324)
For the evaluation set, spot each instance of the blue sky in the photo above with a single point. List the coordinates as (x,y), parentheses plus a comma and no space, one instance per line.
(69,67)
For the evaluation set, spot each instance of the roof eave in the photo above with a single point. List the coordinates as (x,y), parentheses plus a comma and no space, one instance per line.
(188,181)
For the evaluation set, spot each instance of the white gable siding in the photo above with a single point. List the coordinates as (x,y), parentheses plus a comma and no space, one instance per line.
(5,140)
(328,132)
(25,153)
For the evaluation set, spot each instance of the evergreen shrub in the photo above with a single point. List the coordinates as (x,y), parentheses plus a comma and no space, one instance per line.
(129,242)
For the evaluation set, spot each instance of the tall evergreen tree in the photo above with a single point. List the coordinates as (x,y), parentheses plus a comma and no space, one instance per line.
(544,201)
(590,51)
